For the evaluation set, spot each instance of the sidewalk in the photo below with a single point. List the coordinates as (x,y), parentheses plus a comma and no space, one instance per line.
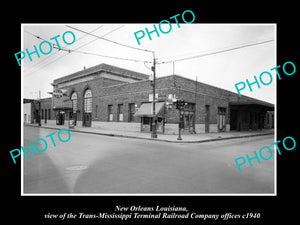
(186,138)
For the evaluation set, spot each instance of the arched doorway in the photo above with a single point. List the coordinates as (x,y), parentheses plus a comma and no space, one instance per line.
(73,114)
(87,108)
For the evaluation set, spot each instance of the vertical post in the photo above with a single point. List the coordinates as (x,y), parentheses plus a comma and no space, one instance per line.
(40,109)
(154,133)
(179,126)
(194,120)
(173,68)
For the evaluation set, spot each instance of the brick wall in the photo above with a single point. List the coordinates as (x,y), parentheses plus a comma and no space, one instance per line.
(108,91)
(205,95)
(46,107)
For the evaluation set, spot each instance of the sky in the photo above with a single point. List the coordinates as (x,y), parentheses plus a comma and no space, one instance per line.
(222,70)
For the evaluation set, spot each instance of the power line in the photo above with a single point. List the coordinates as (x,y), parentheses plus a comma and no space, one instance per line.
(73,50)
(216,52)
(38,63)
(106,56)
(38,37)
(128,46)
(102,36)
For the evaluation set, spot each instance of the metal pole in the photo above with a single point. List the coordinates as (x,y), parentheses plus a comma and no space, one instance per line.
(179,126)
(173,68)
(154,133)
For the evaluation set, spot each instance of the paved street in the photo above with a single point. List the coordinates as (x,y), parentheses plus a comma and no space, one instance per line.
(99,164)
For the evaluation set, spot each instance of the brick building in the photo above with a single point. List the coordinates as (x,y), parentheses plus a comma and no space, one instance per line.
(39,110)
(109,97)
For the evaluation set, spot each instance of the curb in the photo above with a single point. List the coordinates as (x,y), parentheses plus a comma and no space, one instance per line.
(151,139)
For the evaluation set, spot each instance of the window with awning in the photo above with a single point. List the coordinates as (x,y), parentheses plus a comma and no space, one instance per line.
(146,109)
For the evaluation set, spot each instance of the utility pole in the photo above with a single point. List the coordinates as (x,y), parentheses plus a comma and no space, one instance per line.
(179,126)
(173,68)
(154,133)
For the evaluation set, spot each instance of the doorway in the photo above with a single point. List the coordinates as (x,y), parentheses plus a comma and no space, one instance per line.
(87,119)
(188,121)
(233,119)
(87,108)
(221,119)
(60,118)
(207,115)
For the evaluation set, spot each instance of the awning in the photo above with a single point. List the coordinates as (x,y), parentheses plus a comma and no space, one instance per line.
(246,105)
(62,108)
(250,102)
(147,111)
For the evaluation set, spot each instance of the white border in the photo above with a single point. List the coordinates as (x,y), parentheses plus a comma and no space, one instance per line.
(147,194)
(22,115)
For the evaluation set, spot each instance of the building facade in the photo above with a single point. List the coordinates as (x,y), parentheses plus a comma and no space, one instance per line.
(110,97)
(27,112)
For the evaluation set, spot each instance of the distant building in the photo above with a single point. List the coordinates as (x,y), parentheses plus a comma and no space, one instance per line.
(269,120)
(110,97)
(27,112)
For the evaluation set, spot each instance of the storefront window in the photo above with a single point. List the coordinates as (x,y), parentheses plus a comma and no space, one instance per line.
(188,116)
(131,112)
(146,120)
(110,113)
(120,112)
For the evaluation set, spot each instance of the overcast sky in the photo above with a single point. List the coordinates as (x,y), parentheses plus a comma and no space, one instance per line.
(221,70)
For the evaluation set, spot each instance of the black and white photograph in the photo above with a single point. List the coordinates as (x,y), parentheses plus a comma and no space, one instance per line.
(132,114)
(162,117)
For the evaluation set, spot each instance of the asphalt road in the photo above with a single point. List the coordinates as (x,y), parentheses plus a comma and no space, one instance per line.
(95,164)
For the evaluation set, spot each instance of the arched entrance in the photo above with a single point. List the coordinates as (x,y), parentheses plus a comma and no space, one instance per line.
(73,113)
(87,108)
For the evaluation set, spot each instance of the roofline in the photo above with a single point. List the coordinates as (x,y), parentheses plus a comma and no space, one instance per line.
(98,68)
(261,101)
(258,101)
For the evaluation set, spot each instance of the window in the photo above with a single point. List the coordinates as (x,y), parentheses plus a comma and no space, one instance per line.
(221,119)
(88,101)
(49,114)
(96,111)
(188,118)
(37,116)
(131,112)
(120,112)
(45,114)
(110,113)
(74,101)
(146,120)
(221,110)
